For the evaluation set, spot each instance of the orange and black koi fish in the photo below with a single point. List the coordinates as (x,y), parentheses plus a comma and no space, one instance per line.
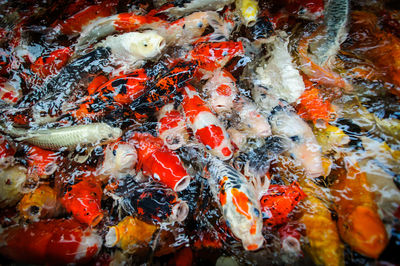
(50,64)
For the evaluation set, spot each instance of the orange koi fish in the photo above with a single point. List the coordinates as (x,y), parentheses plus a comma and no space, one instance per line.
(279,202)
(238,202)
(83,200)
(42,162)
(7,152)
(206,126)
(172,127)
(161,163)
(358,221)
(214,55)
(50,242)
(84,17)
(112,94)
(50,64)
(41,203)
(312,106)
(316,73)
(95,84)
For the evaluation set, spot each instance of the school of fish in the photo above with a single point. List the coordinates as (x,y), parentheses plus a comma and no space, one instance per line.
(235,132)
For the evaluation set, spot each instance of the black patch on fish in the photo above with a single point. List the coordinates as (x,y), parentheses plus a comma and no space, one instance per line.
(120,85)
(352,130)
(262,29)
(181,3)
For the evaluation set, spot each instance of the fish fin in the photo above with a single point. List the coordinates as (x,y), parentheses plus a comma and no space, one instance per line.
(260,182)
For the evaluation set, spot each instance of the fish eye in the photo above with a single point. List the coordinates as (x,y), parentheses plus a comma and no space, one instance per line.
(295,138)
(200,24)
(256,212)
(110,135)
(145,44)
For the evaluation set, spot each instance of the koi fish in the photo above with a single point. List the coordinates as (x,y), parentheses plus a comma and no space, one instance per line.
(172,127)
(330,138)
(248,10)
(42,162)
(304,147)
(83,200)
(50,242)
(214,55)
(12,180)
(69,137)
(129,234)
(336,15)
(161,163)
(77,22)
(206,126)
(155,203)
(112,94)
(358,220)
(165,88)
(7,152)
(306,9)
(95,84)
(120,158)
(221,90)
(279,202)
(133,48)
(238,203)
(311,105)
(52,63)
(279,74)
(187,7)
(9,92)
(38,204)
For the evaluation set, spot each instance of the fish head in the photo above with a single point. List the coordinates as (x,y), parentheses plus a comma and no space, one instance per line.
(107,133)
(38,203)
(194,25)
(243,216)
(119,158)
(147,44)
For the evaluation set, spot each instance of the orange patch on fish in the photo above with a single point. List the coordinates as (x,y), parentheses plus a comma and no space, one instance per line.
(252,247)
(211,136)
(193,106)
(224,90)
(240,200)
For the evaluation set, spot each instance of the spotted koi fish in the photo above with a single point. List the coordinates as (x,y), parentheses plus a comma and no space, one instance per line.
(161,163)
(279,202)
(238,202)
(206,126)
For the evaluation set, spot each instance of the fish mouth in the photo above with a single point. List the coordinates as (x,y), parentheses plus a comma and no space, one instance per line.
(255,244)
(291,245)
(182,184)
(112,237)
(180,211)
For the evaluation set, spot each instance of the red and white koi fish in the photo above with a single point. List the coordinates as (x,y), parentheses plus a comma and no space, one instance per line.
(238,202)
(7,152)
(215,55)
(161,163)
(172,127)
(221,90)
(120,158)
(41,162)
(50,242)
(304,147)
(206,126)
(9,92)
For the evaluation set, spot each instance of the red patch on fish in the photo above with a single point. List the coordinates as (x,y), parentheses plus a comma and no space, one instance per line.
(279,203)
(240,200)
(41,161)
(170,120)
(128,22)
(224,90)
(211,136)
(50,64)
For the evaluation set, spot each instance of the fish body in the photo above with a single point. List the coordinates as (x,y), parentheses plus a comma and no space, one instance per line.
(129,234)
(358,220)
(161,163)
(50,64)
(279,202)
(279,74)
(305,147)
(330,138)
(336,15)
(114,93)
(42,162)
(206,126)
(83,200)
(238,202)
(50,241)
(68,137)
(9,91)
(172,127)
(38,204)
(187,7)
(306,9)
(12,180)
